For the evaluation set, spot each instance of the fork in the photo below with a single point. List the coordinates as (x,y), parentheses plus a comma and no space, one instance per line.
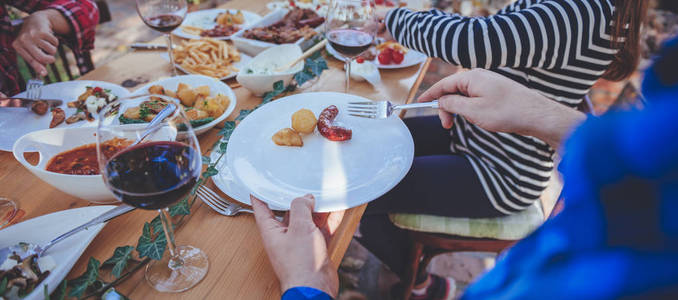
(383,109)
(219,204)
(34,88)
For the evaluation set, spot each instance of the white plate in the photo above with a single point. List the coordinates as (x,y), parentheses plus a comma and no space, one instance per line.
(411,58)
(216,87)
(15,122)
(339,174)
(205,20)
(244,61)
(45,228)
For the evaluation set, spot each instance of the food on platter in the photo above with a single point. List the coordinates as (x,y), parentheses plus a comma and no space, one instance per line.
(19,277)
(40,107)
(296,24)
(390,52)
(287,137)
(82,160)
(329,130)
(58,117)
(207,56)
(320,6)
(226,25)
(304,121)
(90,103)
(198,104)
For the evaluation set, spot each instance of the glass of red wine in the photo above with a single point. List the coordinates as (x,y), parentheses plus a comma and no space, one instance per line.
(163,16)
(153,167)
(350,28)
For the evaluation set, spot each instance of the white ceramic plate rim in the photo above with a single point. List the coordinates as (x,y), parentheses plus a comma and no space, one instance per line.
(207,13)
(229,92)
(244,61)
(416,58)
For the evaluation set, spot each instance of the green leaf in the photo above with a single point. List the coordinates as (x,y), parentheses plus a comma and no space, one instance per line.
(3,286)
(226,132)
(112,294)
(302,77)
(278,86)
(181,208)
(151,244)
(60,292)
(205,160)
(119,260)
(45,293)
(222,147)
(156,225)
(197,185)
(79,285)
(210,171)
(316,66)
(243,114)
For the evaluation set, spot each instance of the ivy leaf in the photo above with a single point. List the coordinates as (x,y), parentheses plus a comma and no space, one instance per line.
(60,292)
(243,114)
(151,244)
(205,160)
(156,225)
(119,260)
(278,86)
(226,132)
(302,77)
(316,66)
(181,208)
(210,171)
(3,285)
(112,294)
(222,147)
(79,285)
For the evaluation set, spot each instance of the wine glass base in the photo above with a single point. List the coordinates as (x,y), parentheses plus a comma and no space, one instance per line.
(8,211)
(164,279)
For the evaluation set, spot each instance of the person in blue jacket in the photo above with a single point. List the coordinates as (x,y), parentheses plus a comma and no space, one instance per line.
(617,236)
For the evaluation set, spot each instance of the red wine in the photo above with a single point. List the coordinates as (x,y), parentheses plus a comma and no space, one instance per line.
(348,42)
(164,23)
(153,175)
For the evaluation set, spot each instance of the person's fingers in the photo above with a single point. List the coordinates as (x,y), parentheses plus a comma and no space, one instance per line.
(37,67)
(39,55)
(453,84)
(264,216)
(446,119)
(46,47)
(457,104)
(49,37)
(301,211)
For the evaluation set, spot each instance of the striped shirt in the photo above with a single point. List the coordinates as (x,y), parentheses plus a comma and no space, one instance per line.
(559,48)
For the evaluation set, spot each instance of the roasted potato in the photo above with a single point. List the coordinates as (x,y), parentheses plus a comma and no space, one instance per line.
(304,121)
(170,93)
(287,137)
(203,90)
(133,113)
(196,114)
(187,96)
(214,106)
(156,89)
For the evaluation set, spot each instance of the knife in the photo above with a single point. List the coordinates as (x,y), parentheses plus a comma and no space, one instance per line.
(25,102)
(141,46)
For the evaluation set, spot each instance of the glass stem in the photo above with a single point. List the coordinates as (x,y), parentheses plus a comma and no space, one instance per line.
(348,74)
(175,261)
(171,55)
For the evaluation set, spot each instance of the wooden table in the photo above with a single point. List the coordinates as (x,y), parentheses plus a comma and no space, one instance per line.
(239,267)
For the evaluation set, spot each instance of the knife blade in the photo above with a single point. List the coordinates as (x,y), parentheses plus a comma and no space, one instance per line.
(25,102)
(141,46)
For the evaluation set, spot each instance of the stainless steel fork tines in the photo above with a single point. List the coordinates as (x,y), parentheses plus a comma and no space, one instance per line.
(34,88)
(383,109)
(219,204)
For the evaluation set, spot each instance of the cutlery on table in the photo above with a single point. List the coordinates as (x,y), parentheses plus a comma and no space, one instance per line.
(141,46)
(26,102)
(383,109)
(34,88)
(219,204)
(27,249)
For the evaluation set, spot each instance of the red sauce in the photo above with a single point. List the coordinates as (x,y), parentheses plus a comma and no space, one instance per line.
(82,160)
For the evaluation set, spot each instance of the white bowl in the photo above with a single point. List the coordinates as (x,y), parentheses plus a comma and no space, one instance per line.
(50,142)
(271,58)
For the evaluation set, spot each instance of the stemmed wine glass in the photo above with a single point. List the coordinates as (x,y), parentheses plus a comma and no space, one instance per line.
(155,173)
(350,28)
(8,210)
(163,16)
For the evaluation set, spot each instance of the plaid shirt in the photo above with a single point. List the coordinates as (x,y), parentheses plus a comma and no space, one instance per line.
(82,15)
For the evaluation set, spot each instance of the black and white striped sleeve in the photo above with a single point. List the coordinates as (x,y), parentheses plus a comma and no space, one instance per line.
(532,37)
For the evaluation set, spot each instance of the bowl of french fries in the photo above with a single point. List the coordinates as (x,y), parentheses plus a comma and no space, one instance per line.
(265,69)
(210,57)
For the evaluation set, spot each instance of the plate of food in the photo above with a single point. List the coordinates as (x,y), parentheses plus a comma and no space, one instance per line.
(205,100)
(82,100)
(307,143)
(216,23)
(282,26)
(210,57)
(46,272)
(387,55)
(320,6)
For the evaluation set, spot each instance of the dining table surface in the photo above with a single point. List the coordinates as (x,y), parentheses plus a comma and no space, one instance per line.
(238,265)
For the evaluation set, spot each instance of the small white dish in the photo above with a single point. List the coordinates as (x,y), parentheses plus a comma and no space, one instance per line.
(254,47)
(259,75)
(15,122)
(205,19)
(365,71)
(244,60)
(411,58)
(216,87)
(340,175)
(43,229)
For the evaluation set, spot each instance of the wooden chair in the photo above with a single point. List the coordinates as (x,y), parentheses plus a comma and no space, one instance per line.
(61,70)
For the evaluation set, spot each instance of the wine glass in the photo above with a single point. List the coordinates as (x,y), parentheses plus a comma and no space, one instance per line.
(8,210)
(153,168)
(350,28)
(163,16)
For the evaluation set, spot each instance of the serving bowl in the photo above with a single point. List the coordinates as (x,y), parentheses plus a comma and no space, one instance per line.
(50,142)
(270,59)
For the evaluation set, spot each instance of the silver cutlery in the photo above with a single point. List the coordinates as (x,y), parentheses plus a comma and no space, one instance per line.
(219,204)
(25,102)
(24,250)
(383,109)
(34,88)
(141,46)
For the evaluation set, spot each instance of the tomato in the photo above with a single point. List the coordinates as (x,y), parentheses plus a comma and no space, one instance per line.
(292,3)
(378,2)
(360,60)
(97,90)
(384,57)
(389,3)
(397,57)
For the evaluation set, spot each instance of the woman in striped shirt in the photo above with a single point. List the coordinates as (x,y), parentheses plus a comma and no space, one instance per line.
(559,48)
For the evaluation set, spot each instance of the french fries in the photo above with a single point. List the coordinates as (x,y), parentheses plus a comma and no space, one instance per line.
(191,30)
(207,56)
